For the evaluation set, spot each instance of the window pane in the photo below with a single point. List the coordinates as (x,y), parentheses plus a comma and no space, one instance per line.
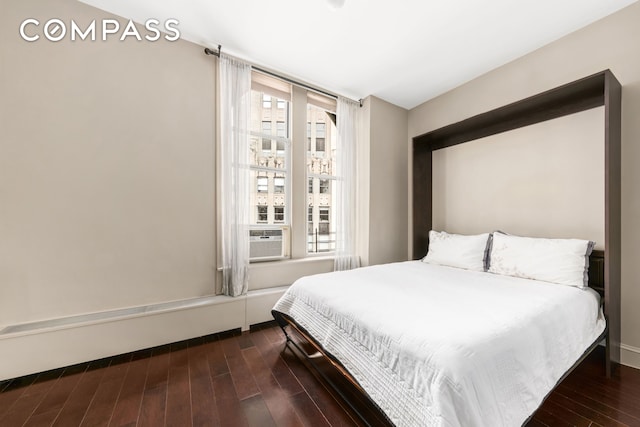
(325,186)
(278,184)
(278,213)
(268,195)
(321,139)
(324,214)
(266,101)
(320,233)
(262,214)
(262,184)
(281,104)
(321,150)
(323,228)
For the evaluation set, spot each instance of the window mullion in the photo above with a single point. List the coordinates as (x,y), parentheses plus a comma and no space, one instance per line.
(299,173)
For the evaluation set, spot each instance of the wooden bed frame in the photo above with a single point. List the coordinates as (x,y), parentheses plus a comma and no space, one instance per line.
(601,89)
(596,90)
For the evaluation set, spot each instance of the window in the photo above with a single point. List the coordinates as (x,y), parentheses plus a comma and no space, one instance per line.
(278,184)
(262,213)
(324,215)
(263,184)
(325,186)
(279,163)
(323,225)
(310,221)
(278,213)
(321,130)
(266,142)
(320,127)
(269,168)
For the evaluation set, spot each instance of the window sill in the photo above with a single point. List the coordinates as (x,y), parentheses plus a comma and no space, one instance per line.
(286,261)
(269,274)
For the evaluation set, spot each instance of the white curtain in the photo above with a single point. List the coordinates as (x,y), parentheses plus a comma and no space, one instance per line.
(235,109)
(346,171)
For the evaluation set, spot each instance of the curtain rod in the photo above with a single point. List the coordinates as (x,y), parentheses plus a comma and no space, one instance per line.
(286,79)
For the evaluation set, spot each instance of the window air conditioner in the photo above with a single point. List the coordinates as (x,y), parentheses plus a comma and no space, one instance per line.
(267,244)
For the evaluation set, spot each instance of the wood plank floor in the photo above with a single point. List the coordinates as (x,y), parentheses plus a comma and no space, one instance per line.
(235,379)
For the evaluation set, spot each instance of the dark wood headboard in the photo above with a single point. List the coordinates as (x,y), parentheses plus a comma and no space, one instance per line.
(596,271)
(600,89)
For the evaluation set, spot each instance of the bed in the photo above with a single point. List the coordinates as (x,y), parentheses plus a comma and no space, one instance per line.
(454,347)
(436,345)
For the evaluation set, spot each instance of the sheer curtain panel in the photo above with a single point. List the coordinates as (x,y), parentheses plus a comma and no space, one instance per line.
(235,110)
(346,172)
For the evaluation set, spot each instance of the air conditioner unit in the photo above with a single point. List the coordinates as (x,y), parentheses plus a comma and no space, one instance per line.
(267,243)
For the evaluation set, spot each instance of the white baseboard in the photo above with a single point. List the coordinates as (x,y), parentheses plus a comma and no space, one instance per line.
(630,356)
(45,348)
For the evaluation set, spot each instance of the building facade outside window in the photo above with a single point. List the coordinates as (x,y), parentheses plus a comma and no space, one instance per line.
(271,167)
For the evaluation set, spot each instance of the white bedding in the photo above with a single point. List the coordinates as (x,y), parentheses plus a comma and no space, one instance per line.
(440,346)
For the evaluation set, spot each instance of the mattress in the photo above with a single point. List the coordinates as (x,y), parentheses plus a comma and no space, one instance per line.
(440,346)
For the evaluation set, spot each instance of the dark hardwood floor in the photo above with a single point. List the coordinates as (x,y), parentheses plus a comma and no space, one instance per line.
(235,379)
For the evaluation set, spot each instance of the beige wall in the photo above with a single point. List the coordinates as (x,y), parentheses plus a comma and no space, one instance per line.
(528,181)
(106,176)
(613,43)
(387,182)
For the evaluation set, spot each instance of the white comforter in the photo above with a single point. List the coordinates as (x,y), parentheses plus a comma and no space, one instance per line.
(439,346)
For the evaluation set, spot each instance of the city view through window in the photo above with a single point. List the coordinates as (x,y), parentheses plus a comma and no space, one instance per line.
(271,172)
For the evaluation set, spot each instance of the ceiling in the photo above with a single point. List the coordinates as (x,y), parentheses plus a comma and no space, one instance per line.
(404,52)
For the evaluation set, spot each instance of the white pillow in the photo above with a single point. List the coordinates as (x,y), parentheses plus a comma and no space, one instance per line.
(564,261)
(456,250)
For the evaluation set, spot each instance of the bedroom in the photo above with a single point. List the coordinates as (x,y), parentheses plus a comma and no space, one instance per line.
(115,190)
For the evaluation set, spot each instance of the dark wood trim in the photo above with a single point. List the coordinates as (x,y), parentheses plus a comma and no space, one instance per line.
(422,188)
(596,90)
(613,214)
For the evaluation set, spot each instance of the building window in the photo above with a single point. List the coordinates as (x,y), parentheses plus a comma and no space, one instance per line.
(263,184)
(280,148)
(325,186)
(262,214)
(324,214)
(281,104)
(281,129)
(310,186)
(320,136)
(266,101)
(266,142)
(323,225)
(278,184)
(278,214)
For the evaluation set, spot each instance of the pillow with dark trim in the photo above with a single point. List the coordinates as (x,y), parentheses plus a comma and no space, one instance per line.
(563,261)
